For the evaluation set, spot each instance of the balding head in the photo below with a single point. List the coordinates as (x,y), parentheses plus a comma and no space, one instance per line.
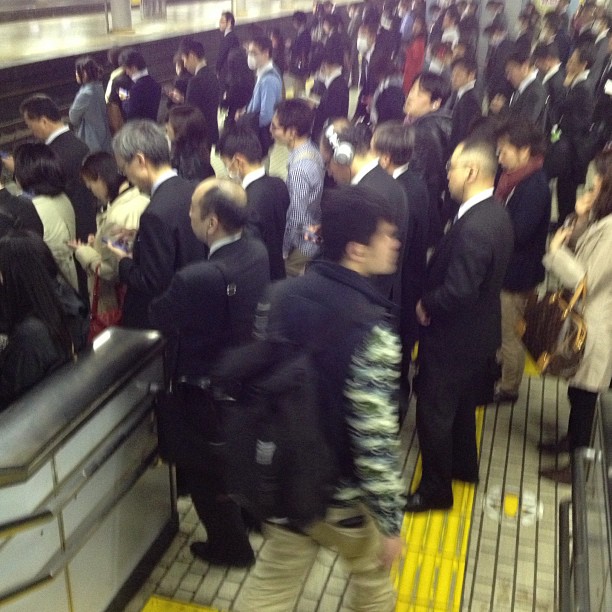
(218,209)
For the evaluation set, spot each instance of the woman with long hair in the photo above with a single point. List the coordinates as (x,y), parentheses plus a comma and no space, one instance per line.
(38,172)
(589,258)
(121,206)
(189,148)
(88,113)
(39,339)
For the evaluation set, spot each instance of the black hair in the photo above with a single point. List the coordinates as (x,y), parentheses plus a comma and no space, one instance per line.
(38,106)
(467,63)
(436,85)
(27,287)
(358,135)
(295,113)
(552,20)
(543,51)
(396,140)
(602,207)
(190,45)
(102,165)
(300,17)
(263,43)
(38,169)
(333,20)
(229,17)
(351,213)
(190,132)
(217,201)
(521,134)
(586,53)
(519,56)
(243,140)
(130,58)
(87,67)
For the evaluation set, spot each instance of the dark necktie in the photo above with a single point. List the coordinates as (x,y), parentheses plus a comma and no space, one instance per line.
(364,73)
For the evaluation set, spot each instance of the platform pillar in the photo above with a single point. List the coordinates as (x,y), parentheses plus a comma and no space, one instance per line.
(121,14)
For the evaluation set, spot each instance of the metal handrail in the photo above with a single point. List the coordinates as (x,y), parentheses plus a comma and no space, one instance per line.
(565,569)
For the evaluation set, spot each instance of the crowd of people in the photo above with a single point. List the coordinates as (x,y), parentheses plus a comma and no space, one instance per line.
(424,218)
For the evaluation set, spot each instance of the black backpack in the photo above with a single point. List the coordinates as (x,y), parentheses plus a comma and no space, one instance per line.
(278,460)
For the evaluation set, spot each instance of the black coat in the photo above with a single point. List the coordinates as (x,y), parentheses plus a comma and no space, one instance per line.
(143,100)
(268,201)
(164,244)
(495,70)
(71,151)
(602,114)
(461,293)
(196,307)
(529,210)
(203,92)
(529,105)
(466,110)
(18,211)
(555,91)
(334,103)
(299,54)
(228,42)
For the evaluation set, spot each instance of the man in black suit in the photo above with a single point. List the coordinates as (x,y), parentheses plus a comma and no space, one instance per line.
(229,41)
(267,196)
(361,167)
(460,315)
(602,115)
(142,101)
(44,120)
(464,104)
(203,88)
(500,49)
(601,31)
(199,308)
(546,60)
(164,242)
(553,32)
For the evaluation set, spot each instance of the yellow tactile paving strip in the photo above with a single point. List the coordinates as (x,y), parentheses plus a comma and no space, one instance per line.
(161,604)
(431,574)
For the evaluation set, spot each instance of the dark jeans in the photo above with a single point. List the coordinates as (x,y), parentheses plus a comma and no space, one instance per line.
(582,412)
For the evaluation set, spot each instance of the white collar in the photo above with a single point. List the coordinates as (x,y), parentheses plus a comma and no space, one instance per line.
(269,66)
(367,168)
(400,170)
(477,199)
(252,176)
(332,76)
(602,35)
(227,31)
(368,55)
(528,80)
(139,74)
(199,66)
(215,246)
(467,87)
(57,133)
(164,176)
(583,76)
(551,73)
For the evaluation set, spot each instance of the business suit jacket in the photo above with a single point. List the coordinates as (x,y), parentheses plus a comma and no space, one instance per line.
(71,152)
(390,285)
(196,310)
(334,103)
(268,201)
(415,254)
(203,92)
(380,57)
(602,114)
(164,244)
(495,70)
(529,105)
(467,109)
(461,293)
(143,100)
(228,42)
(555,91)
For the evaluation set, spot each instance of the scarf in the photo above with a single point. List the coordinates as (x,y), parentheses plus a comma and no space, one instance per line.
(509,180)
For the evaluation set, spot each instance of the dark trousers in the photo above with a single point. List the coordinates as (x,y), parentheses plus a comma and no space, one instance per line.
(582,412)
(567,186)
(446,425)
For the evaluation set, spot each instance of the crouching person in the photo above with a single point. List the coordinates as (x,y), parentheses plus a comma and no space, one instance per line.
(356,363)
(209,306)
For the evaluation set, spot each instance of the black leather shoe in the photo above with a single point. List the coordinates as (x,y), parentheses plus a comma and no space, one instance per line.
(203,551)
(418,503)
(561,475)
(562,446)
(503,397)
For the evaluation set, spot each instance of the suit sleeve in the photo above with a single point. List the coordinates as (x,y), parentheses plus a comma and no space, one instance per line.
(152,273)
(170,310)
(527,215)
(465,274)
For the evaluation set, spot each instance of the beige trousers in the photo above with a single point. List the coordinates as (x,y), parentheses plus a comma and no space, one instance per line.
(512,351)
(280,572)
(295,264)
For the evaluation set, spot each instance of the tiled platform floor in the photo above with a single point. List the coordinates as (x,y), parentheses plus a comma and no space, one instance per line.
(511,563)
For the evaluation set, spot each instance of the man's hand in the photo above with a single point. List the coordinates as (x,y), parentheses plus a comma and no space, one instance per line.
(584,203)
(9,163)
(422,317)
(391,550)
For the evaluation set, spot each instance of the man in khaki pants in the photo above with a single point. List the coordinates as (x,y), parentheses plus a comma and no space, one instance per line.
(336,300)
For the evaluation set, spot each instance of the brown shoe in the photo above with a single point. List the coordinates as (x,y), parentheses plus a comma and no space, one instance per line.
(562,475)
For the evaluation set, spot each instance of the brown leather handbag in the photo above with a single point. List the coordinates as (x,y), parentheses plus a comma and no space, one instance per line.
(553,330)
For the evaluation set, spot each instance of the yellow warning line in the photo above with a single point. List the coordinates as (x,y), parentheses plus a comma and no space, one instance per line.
(431,574)
(162,604)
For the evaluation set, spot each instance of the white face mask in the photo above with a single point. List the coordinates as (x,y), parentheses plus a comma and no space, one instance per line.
(252,61)
(363,45)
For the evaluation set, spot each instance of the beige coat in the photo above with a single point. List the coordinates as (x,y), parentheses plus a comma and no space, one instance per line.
(593,257)
(123,213)
(57,216)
